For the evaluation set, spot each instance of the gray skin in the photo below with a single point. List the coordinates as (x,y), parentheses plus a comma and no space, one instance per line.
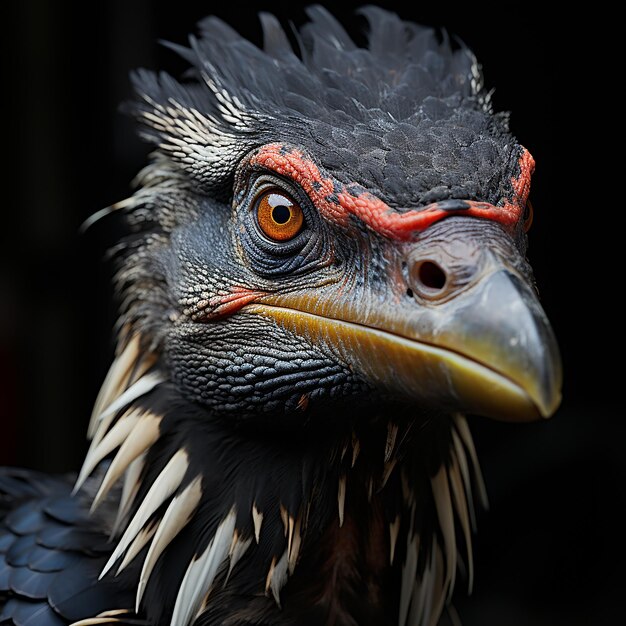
(248,366)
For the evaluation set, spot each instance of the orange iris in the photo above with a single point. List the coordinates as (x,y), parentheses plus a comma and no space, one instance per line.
(278,215)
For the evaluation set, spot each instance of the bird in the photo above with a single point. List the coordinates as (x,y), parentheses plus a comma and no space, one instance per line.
(323,272)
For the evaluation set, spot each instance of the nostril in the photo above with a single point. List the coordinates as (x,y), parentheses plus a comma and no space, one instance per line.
(429,276)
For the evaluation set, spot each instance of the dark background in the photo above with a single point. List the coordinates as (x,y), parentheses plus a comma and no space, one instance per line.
(550,551)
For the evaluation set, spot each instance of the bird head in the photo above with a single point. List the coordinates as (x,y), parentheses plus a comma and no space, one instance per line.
(327,248)
(345,227)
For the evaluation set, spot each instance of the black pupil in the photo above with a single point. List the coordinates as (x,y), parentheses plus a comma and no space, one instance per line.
(281,214)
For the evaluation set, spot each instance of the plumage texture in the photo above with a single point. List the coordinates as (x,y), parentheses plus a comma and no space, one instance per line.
(407,118)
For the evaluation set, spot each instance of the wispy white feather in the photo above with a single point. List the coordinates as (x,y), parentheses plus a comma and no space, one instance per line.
(237,550)
(278,576)
(145,433)
(166,483)
(130,487)
(115,380)
(465,474)
(460,504)
(201,573)
(139,388)
(109,442)
(464,431)
(437,595)
(443,504)
(423,590)
(141,540)
(175,518)
(257,519)
(294,545)
(341,498)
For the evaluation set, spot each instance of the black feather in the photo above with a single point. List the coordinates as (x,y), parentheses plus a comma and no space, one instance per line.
(51,552)
(343,104)
(275,41)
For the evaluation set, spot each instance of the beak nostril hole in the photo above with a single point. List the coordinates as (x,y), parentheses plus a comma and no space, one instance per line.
(431,276)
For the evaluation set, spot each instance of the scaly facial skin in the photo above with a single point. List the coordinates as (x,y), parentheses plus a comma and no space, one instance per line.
(446,317)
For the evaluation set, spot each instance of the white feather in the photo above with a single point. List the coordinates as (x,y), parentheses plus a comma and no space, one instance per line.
(145,433)
(278,576)
(236,552)
(438,592)
(423,591)
(142,538)
(166,483)
(130,488)
(341,498)
(201,573)
(257,519)
(177,516)
(460,503)
(463,466)
(115,380)
(140,388)
(443,504)
(112,440)
(295,545)
(464,431)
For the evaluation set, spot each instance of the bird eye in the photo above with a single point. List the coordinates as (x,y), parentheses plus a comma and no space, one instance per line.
(278,216)
(528,216)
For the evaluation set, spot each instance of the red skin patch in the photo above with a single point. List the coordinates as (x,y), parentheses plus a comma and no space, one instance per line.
(521,184)
(336,203)
(224,305)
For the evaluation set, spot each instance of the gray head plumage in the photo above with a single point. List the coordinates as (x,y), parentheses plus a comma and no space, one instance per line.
(357,110)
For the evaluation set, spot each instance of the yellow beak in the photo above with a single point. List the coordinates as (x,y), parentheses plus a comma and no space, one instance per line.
(489,351)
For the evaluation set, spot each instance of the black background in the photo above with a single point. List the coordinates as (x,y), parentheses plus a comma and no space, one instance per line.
(550,551)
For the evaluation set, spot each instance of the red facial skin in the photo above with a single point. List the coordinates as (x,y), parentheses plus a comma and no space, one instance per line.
(227,304)
(336,201)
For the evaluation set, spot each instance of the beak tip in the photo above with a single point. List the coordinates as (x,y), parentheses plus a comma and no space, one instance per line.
(549,400)
(549,406)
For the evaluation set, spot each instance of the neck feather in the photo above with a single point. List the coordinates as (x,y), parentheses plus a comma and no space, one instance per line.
(208,514)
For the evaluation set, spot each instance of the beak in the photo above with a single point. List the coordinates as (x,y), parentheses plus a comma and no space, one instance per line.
(487,349)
